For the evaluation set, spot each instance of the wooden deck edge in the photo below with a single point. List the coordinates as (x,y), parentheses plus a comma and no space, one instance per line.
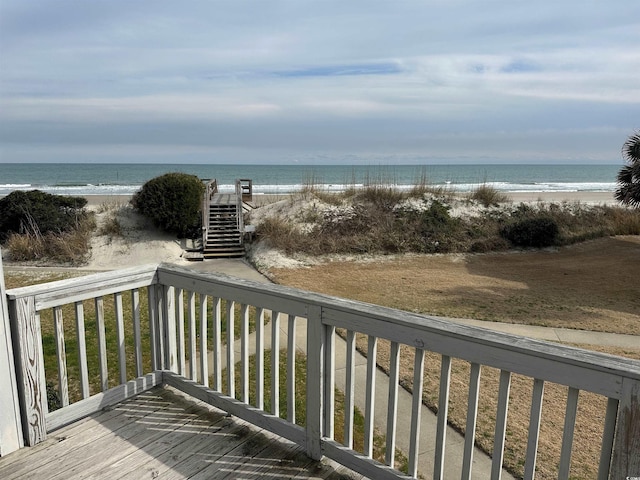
(360,463)
(238,409)
(95,403)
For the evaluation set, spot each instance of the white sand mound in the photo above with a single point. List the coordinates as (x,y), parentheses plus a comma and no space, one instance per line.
(138,243)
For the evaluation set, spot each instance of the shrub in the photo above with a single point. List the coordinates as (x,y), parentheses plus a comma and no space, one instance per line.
(173,202)
(34,210)
(536,231)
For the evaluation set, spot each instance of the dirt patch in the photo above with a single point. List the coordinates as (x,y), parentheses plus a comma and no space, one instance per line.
(588,286)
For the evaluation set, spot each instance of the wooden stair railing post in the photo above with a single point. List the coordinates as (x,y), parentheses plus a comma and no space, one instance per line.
(240,219)
(205,216)
(10,418)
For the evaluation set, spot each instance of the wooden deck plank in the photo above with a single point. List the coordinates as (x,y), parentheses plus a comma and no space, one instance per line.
(74,438)
(158,435)
(162,434)
(192,447)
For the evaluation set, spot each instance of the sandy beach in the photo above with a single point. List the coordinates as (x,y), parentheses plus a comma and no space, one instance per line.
(583,197)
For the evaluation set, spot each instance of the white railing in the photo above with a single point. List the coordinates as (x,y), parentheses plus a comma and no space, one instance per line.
(178,340)
(211,189)
(239,212)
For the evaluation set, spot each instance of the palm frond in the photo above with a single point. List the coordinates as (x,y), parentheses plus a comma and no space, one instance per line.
(631,149)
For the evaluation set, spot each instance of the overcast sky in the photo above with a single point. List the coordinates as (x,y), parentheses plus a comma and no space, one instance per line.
(486,81)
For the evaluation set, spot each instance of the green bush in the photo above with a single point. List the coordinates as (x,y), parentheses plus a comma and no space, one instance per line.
(37,212)
(536,231)
(173,202)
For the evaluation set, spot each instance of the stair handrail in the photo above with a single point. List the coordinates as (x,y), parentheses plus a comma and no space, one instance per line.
(210,190)
(239,212)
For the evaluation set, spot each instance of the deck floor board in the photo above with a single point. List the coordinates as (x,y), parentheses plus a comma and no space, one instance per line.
(161,434)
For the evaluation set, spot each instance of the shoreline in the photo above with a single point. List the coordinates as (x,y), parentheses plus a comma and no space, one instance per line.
(597,198)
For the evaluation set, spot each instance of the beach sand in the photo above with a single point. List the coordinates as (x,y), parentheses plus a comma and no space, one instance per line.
(258,200)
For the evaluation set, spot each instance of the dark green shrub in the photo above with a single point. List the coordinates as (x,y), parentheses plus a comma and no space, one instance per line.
(536,231)
(37,212)
(173,202)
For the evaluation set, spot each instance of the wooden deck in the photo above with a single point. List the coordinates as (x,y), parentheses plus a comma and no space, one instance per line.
(162,434)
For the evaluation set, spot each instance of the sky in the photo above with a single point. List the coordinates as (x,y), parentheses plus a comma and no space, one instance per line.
(313,82)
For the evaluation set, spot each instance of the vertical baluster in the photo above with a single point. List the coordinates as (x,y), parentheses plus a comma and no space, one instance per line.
(607,439)
(204,354)
(82,350)
(416,412)
(153,327)
(349,394)
(122,358)
(180,328)
(275,363)
(291,369)
(102,344)
(231,359)
(501,424)
(191,316)
(443,408)
(63,385)
(161,326)
(534,429)
(567,433)
(169,310)
(244,351)
(472,416)
(392,404)
(217,345)
(369,414)
(137,339)
(260,358)
(329,381)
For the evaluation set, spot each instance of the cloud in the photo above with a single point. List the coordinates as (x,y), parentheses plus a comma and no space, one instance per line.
(402,77)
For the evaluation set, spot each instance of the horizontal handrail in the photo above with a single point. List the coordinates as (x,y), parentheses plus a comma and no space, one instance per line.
(71,290)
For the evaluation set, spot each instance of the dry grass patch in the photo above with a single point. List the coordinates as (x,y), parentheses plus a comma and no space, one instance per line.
(583,286)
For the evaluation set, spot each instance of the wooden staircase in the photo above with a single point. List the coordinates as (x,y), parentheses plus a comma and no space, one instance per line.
(223,225)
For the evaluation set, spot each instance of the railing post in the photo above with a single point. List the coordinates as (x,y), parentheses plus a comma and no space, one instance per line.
(32,387)
(315,367)
(10,419)
(626,451)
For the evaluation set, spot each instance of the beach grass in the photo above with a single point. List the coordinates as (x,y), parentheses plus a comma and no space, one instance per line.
(380,219)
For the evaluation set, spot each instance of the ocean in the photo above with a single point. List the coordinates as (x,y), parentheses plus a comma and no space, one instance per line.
(126,179)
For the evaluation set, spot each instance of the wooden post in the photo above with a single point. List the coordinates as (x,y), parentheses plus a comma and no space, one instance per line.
(626,452)
(315,366)
(10,420)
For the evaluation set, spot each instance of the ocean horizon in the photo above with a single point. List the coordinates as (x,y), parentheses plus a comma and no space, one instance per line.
(126,179)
